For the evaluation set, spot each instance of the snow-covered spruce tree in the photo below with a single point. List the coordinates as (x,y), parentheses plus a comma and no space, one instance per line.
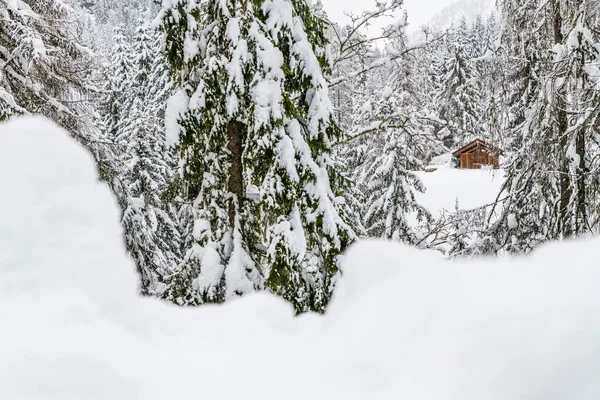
(173,210)
(479,37)
(354,153)
(492,70)
(112,115)
(152,237)
(398,147)
(459,99)
(551,191)
(389,180)
(524,54)
(371,85)
(109,14)
(436,54)
(254,113)
(118,74)
(351,51)
(353,55)
(43,69)
(140,218)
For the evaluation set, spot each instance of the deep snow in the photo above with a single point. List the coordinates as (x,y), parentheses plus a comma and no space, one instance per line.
(472,188)
(402,325)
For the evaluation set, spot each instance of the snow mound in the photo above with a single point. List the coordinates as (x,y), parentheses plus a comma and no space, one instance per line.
(59,225)
(528,328)
(471,188)
(403,324)
(443,161)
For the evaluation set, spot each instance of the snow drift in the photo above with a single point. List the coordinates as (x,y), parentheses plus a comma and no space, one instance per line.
(471,188)
(403,324)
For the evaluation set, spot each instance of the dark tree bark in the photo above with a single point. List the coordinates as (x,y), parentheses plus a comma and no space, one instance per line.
(236,133)
(581,186)
(581,220)
(565,179)
(562,125)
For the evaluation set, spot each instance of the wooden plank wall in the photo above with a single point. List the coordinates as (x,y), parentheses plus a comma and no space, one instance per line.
(476,160)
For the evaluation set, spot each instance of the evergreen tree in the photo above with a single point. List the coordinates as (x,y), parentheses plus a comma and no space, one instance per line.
(352,51)
(389,180)
(139,164)
(479,37)
(43,70)
(151,229)
(552,185)
(256,115)
(492,66)
(400,147)
(459,98)
(118,75)
(457,242)
(110,14)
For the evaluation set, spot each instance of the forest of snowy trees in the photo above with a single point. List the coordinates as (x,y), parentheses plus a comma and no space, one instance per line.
(249,143)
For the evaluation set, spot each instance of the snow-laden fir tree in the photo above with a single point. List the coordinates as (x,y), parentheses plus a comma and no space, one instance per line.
(142,211)
(459,97)
(352,51)
(357,71)
(389,180)
(136,162)
(479,37)
(118,74)
(151,228)
(43,69)
(110,14)
(398,146)
(492,69)
(152,234)
(551,190)
(112,115)
(254,126)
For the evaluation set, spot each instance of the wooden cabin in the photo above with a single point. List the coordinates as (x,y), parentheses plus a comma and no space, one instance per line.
(477,154)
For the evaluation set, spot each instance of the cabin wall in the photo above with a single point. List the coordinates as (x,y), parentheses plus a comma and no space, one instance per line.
(476,160)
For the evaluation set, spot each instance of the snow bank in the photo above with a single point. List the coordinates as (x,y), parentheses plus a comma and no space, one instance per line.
(59,227)
(440,162)
(402,324)
(472,188)
(522,329)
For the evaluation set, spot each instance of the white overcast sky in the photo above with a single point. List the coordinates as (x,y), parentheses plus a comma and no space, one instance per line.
(419,11)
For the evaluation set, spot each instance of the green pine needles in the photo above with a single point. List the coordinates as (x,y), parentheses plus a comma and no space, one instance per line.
(254,128)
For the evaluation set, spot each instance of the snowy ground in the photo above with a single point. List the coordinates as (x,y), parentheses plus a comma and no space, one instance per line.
(470,187)
(403,325)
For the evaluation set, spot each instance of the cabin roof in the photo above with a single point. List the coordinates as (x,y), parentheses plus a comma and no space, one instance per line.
(474,145)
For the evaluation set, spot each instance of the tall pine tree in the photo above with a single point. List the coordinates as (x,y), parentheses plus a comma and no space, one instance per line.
(254,133)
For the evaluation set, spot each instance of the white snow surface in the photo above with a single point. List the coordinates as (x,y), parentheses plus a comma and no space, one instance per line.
(402,325)
(443,161)
(471,187)
(176,107)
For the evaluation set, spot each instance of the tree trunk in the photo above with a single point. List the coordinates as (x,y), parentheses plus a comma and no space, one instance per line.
(562,126)
(236,133)
(565,180)
(581,170)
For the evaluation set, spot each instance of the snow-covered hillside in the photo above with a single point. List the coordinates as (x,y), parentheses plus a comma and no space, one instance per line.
(402,324)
